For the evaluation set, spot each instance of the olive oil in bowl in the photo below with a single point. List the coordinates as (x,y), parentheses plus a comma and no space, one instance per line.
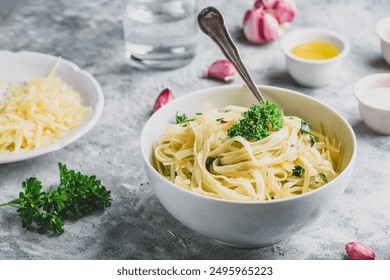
(315,50)
(313,55)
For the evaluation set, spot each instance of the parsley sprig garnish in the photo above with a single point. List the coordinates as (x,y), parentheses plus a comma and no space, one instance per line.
(258,121)
(76,196)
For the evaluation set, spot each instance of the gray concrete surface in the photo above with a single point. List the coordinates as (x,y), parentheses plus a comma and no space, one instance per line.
(136,226)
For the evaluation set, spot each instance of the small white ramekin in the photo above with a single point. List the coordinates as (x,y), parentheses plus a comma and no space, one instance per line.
(313,73)
(378,119)
(383,31)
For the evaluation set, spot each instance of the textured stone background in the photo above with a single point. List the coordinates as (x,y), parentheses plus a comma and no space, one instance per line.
(89,33)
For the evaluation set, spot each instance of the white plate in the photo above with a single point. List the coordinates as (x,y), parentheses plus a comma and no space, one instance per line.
(24,66)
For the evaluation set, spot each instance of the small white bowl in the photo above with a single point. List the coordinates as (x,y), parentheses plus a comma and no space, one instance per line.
(383,31)
(249,224)
(24,66)
(313,73)
(373,95)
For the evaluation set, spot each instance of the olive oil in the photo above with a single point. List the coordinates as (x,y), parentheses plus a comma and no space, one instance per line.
(315,50)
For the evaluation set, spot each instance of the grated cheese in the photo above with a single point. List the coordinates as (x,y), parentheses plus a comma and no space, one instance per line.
(37,114)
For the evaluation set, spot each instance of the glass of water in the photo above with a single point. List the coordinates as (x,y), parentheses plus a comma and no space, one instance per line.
(160,34)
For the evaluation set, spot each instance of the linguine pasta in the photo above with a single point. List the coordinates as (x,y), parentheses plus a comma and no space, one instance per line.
(199,156)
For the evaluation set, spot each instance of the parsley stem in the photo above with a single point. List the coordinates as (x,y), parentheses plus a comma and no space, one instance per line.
(11,203)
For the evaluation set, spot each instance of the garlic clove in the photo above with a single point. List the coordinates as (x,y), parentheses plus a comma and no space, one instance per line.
(164,97)
(248,15)
(221,69)
(252,26)
(270,27)
(359,251)
(285,11)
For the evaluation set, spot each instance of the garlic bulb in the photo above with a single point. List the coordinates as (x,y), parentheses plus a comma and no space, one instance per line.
(267,20)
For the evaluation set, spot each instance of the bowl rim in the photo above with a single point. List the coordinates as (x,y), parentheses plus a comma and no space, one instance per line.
(287,52)
(379,26)
(239,202)
(358,93)
(79,131)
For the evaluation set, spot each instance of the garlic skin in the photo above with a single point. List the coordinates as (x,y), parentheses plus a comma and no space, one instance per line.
(164,97)
(265,4)
(267,20)
(359,251)
(221,69)
(252,27)
(270,27)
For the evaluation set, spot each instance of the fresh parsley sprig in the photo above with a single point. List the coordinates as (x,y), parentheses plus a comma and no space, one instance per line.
(258,121)
(76,196)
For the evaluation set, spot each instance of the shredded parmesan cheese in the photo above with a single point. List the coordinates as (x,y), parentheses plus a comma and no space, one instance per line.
(38,114)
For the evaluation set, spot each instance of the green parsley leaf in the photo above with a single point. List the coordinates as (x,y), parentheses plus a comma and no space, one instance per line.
(182,119)
(209,162)
(312,140)
(323,177)
(85,193)
(305,129)
(298,170)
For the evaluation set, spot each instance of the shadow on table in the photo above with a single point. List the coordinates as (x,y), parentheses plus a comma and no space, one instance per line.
(142,229)
(365,134)
(362,130)
(238,36)
(379,63)
(280,78)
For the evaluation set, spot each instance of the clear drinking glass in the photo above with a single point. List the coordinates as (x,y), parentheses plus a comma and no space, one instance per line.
(160,34)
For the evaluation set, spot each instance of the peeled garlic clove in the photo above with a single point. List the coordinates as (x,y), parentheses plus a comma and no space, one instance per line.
(221,69)
(359,251)
(265,4)
(252,26)
(285,11)
(165,97)
(270,27)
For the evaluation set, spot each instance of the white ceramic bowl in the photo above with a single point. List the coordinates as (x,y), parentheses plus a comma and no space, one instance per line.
(248,224)
(313,73)
(373,95)
(383,31)
(24,66)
